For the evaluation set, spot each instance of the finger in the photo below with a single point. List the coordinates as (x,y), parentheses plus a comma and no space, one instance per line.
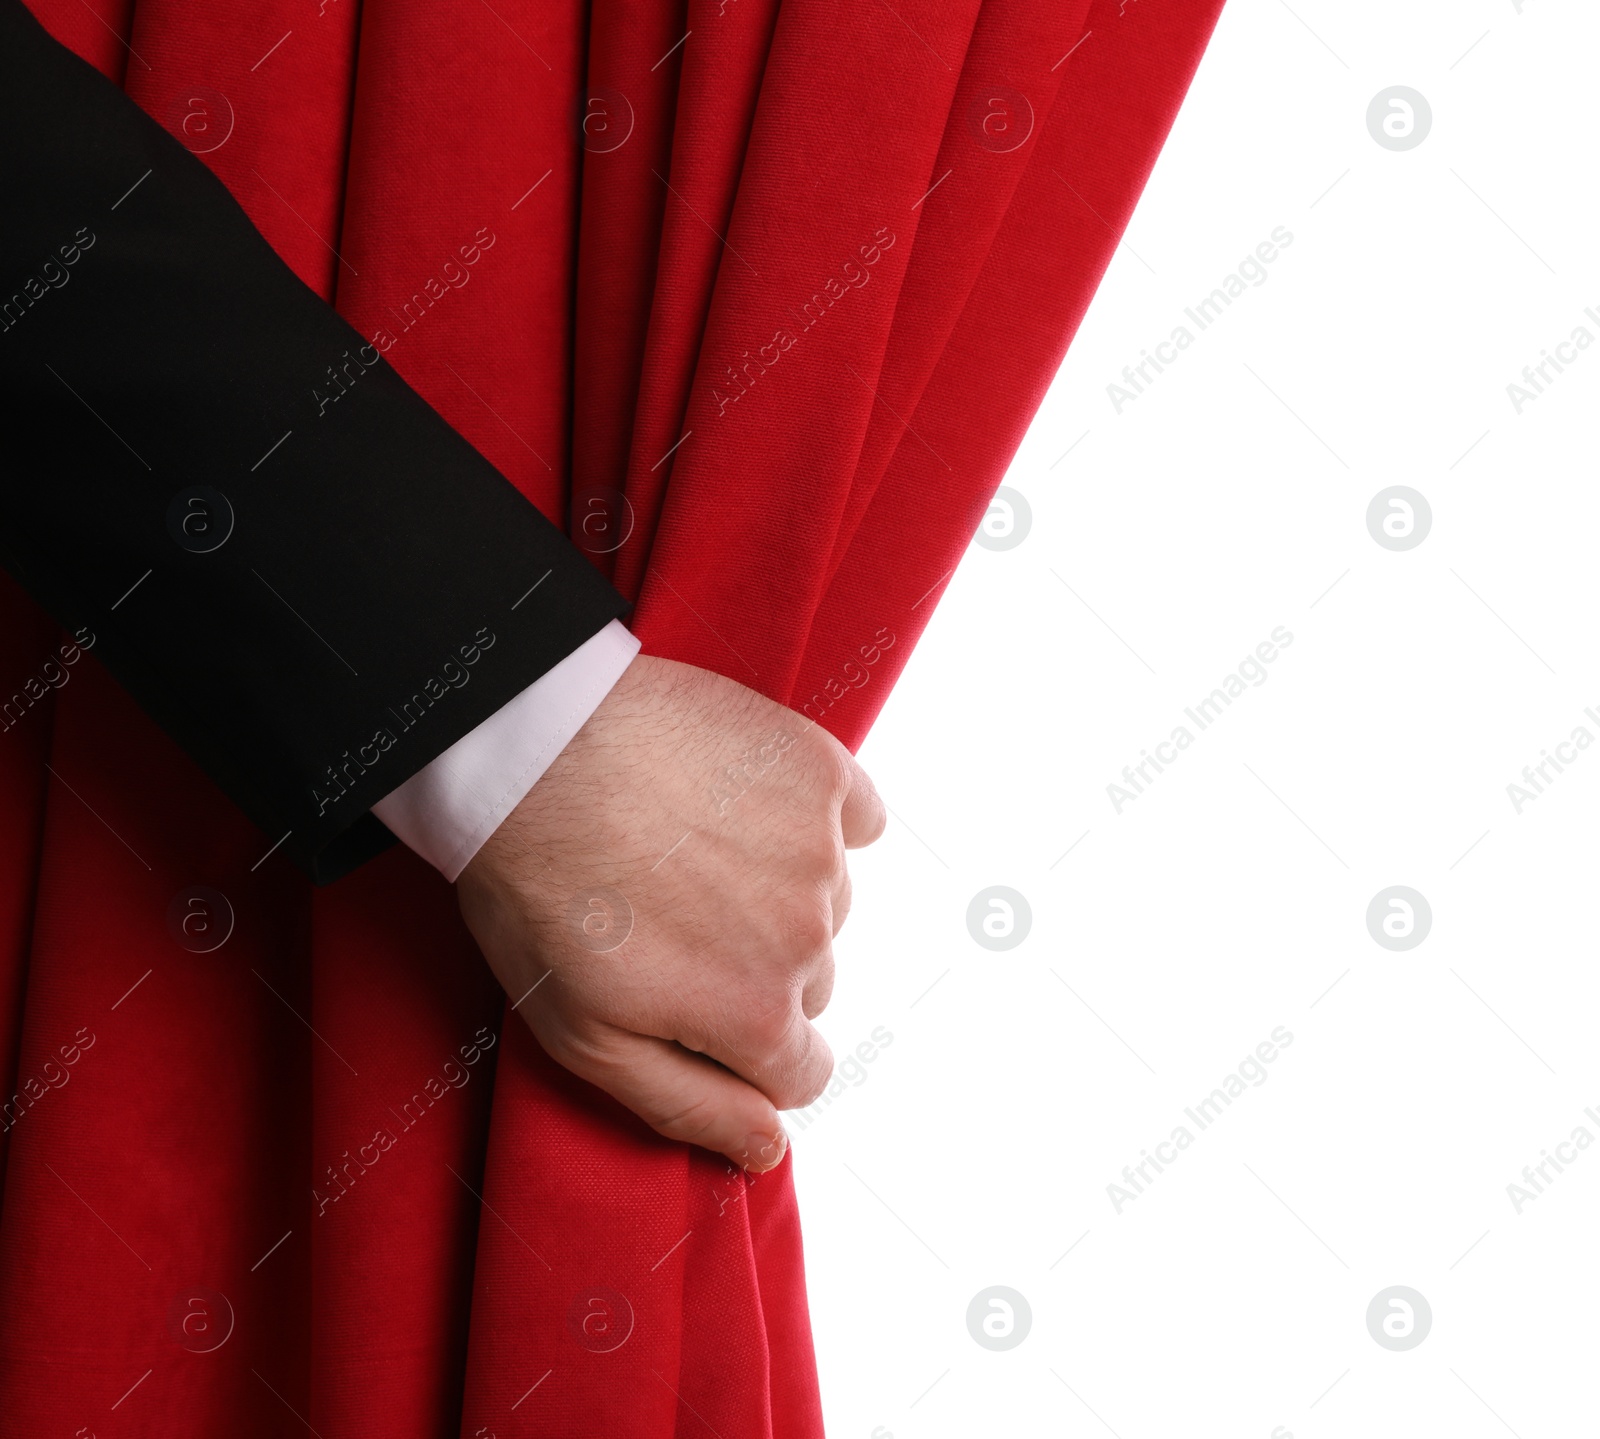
(780,1052)
(842,893)
(818,988)
(682,1096)
(862,816)
(795,1066)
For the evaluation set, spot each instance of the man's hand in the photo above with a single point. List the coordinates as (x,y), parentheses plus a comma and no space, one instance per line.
(661,907)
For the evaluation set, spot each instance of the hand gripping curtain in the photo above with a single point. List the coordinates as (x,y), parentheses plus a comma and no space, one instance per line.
(758,299)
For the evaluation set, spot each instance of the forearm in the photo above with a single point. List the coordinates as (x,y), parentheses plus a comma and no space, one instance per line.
(291,561)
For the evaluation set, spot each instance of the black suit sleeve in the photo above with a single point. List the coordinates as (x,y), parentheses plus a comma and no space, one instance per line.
(313,599)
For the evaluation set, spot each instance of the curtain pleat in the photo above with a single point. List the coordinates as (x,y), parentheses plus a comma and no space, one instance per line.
(1060,231)
(625,122)
(717,96)
(814,256)
(27,645)
(985,150)
(757,300)
(162,1094)
(263,95)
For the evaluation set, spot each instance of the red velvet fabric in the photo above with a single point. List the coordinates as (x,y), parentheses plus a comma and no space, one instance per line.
(763,315)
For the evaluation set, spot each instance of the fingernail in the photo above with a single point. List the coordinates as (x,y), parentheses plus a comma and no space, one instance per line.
(765,1151)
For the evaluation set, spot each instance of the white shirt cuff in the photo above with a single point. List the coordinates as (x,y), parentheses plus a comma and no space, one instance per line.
(449,808)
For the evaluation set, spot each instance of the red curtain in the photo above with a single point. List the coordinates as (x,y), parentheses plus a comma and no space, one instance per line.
(762,314)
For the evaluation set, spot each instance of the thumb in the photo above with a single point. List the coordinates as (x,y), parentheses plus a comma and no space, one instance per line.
(684,1096)
(862,816)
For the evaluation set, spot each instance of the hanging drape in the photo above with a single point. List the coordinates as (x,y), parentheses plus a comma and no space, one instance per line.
(758,299)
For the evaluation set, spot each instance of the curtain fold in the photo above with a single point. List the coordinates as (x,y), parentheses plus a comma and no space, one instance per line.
(758,300)
(1129,71)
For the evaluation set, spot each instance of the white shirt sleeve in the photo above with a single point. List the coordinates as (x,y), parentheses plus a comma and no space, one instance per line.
(449,808)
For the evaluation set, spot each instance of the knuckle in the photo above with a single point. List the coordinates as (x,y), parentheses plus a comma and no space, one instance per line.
(819,989)
(827,761)
(802,925)
(798,1070)
(586,1050)
(826,852)
(805,1086)
(769,1030)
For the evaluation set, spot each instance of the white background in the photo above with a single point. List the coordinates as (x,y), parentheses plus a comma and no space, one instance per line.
(1230,898)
